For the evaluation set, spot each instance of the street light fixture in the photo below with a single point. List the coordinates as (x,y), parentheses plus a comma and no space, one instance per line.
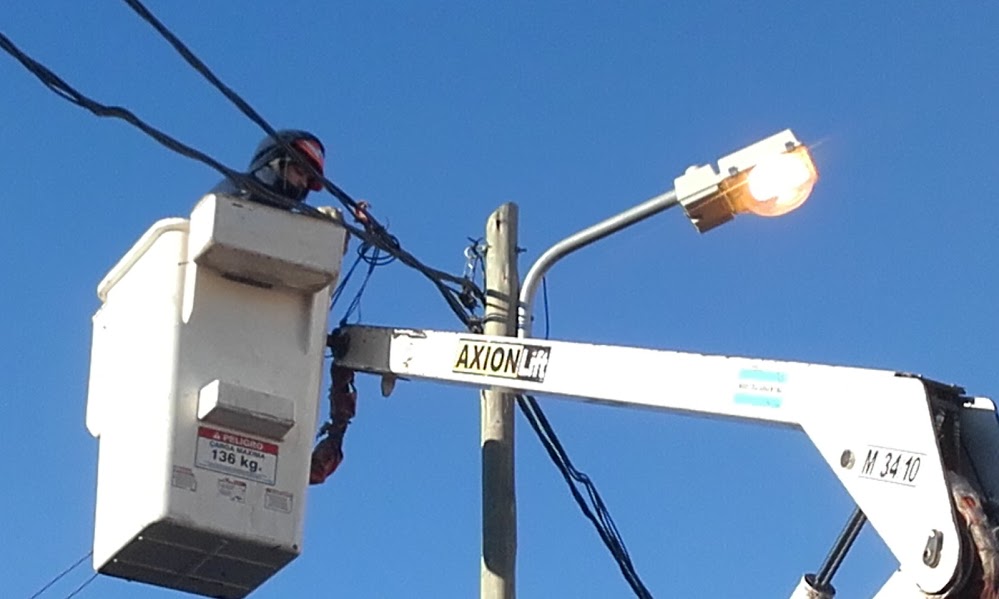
(769,178)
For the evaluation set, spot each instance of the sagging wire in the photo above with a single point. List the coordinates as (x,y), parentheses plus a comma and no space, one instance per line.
(81,587)
(67,92)
(60,575)
(598,513)
(382,239)
(371,256)
(373,260)
(459,300)
(377,238)
(235,98)
(343,282)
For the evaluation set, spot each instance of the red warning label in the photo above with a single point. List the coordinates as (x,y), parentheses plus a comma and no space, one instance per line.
(237,455)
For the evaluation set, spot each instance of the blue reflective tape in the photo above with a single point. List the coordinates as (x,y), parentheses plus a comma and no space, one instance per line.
(765,376)
(762,401)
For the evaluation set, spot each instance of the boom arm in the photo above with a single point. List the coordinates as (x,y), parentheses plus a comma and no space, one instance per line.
(891,439)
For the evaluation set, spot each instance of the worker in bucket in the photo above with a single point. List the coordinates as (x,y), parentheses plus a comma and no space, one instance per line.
(275,169)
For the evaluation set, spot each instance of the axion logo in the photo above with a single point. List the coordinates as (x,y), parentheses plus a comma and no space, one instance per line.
(507,360)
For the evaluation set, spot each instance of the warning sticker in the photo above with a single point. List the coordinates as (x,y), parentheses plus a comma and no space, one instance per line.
(279,501)
(183,478)
(507,360)
(235,490)
(236,455)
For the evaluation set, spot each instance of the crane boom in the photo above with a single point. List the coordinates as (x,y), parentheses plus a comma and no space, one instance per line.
(903,446)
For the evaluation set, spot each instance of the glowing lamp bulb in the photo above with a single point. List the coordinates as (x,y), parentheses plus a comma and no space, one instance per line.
(779,184)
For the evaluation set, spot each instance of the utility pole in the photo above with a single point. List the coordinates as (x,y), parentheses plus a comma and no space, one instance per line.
(499,501)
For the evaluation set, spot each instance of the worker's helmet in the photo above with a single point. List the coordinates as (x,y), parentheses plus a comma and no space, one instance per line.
(270,161)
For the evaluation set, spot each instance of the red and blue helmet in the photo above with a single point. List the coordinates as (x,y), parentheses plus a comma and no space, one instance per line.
(270,158)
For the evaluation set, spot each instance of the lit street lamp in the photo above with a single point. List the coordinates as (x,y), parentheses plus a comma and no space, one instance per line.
(769,178)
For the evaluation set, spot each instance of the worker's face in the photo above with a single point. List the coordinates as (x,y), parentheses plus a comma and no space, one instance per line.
(296,176)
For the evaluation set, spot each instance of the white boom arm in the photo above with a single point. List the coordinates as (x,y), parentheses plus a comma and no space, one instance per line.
(891,439)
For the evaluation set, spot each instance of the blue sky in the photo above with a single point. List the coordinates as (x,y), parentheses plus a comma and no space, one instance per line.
(438,112)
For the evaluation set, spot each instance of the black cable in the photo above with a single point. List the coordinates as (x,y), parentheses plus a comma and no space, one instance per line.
(599,514)
(374,258)
(355,303)
(61,88)
(233,97)
(59,576)
(343,282)
(81,587)
(374,234)
(606,522)
(67,92)
(388,242)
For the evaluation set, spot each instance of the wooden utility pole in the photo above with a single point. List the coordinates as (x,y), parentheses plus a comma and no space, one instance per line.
(499,501)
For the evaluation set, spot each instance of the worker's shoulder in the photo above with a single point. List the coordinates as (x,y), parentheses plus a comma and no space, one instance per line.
(231,189)
(228,188)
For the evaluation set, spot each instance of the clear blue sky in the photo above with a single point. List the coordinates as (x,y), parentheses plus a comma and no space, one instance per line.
(437,112)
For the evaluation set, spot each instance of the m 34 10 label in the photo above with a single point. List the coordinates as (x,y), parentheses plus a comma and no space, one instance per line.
(236,455)
(892,465)
(507,360)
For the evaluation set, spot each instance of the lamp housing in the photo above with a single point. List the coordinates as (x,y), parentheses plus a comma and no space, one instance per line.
(768,178)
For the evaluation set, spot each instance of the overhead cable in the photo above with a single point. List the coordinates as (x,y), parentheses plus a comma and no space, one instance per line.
(80,588)
(602,519)
(235,98)
(373,233)
(60,575)
(596,511)
(389,244)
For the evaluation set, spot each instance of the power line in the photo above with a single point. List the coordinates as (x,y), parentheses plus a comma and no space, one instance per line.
(343,281)
(371,224)
(355,304)
(373,233)
(378,238)
(59,576)
(372,259)
(235,98)
(81,587)
(67,92)
(599,515)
